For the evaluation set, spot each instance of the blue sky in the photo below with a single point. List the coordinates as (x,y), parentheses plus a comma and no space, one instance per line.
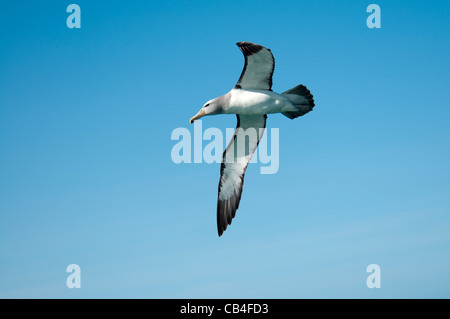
(86,176)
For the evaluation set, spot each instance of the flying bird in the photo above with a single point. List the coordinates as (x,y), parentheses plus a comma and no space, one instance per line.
(251,100)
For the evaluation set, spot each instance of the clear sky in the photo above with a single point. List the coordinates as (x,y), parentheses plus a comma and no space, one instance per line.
(86,175)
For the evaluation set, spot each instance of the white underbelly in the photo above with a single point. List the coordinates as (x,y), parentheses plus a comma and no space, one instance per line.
(257,102)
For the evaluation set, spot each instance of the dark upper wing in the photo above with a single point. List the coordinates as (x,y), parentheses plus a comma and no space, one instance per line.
(236,157)
(258,68)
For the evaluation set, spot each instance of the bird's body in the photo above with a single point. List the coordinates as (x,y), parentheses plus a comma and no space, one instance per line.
(257,102)
(251,100)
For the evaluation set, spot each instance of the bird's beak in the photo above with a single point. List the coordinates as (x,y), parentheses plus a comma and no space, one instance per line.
(197,116)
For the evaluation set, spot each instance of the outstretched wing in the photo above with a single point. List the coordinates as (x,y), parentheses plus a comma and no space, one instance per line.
(258,68)
(236,157)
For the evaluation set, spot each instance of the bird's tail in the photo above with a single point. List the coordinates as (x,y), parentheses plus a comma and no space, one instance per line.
(302,99)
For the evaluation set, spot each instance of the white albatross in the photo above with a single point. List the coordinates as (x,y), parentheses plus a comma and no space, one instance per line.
(251,100)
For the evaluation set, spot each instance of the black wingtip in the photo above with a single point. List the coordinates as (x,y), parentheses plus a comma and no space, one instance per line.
(249,48)
(226,210)
(221,228)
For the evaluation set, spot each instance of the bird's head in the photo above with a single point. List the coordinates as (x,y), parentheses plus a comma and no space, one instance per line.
(214,106)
